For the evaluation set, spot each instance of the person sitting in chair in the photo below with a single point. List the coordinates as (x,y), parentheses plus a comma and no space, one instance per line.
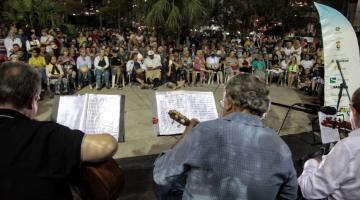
(83,64)
(56,76)
(102,71)
(337,174)
(153,69)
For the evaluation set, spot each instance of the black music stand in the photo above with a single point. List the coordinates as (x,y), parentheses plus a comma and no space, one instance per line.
(343,86)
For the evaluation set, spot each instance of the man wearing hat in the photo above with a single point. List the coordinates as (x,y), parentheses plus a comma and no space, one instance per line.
(153,69)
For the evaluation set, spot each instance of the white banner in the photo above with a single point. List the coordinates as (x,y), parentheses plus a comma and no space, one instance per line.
(340,43)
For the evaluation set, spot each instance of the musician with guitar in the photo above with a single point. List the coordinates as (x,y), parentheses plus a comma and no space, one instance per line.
(233,157)
(336,175)
(38,159)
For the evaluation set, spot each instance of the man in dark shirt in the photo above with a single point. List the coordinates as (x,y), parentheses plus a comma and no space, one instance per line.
(38,158)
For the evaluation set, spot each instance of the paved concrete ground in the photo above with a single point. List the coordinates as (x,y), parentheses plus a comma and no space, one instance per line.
(140,138)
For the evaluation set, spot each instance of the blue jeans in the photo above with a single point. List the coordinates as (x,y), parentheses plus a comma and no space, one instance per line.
(83,77)
(60,84)
(100,76)
(43,76)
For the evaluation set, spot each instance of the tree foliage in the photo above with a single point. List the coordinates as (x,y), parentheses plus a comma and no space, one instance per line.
(175,15)
(33,12)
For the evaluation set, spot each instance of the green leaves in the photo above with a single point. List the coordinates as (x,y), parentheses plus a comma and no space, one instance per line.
(44,12)
(173,21)
(173,15)
(156,14)
(195,11)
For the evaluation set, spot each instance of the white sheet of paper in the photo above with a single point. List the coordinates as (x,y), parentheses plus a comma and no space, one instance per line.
(200,105)
(103,114)
(328,135)
(71,111)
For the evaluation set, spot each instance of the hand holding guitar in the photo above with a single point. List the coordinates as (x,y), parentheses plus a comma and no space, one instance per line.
(183,120)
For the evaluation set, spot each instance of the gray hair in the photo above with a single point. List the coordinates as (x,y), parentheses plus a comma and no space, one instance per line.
(249,92)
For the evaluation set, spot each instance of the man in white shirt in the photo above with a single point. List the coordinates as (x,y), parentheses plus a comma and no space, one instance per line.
(307,63)
(153,69)
(213,65)
(46,39)
(336,175)
(9,42)
(288,49)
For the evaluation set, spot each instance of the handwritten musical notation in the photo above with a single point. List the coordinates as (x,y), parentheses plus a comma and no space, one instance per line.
(200,105)
(91,113)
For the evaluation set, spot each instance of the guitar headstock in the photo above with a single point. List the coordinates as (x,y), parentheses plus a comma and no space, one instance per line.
(336,123)
(178,117)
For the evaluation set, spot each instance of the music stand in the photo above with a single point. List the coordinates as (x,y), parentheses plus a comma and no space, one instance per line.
(343,85)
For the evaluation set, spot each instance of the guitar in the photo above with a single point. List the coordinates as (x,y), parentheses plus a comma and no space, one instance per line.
(336,124)
(101,181)
(178,117)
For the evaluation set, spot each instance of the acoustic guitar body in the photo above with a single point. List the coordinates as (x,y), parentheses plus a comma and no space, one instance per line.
(101,181)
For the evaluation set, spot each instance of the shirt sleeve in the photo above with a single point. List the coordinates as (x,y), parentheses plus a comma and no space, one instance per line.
(320,180)
(96,63)
(289,189)
(107,62)
(64,149)
(78,63)
(170,167)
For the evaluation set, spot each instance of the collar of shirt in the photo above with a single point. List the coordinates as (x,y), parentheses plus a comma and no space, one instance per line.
(355,133)
(9,113)
(249,119)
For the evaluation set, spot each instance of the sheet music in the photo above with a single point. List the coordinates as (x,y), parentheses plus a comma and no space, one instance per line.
(200,105)
(103,115)
(328,135)
(168,101)
(71,111)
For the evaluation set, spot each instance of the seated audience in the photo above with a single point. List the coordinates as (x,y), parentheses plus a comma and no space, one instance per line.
(56,76)
(83,65)
(38,61)
(293,70)
(199,67)
(213,67)
(153,69)
(102,71)
(69,66)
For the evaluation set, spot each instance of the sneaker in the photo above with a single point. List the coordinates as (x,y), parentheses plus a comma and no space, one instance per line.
(98,88)
(107,87)
(91,87)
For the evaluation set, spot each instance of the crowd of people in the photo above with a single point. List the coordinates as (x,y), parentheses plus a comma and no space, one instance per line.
(232,157)
(113,58)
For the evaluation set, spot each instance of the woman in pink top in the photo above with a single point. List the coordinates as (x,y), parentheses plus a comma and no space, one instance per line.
(199,66)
